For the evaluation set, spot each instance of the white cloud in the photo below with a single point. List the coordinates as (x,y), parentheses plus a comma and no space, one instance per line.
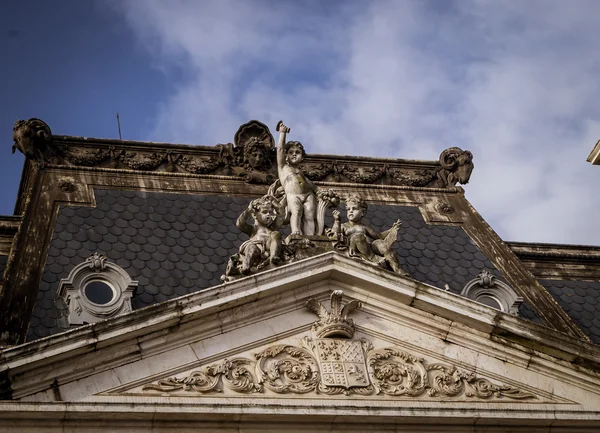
(515,82)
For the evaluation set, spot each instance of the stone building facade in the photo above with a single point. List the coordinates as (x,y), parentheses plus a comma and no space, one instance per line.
(250,286)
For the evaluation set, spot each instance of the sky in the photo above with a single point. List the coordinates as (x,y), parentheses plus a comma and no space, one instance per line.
(515,82)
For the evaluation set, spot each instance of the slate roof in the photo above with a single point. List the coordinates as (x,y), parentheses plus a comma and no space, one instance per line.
(581,301)
(175,244)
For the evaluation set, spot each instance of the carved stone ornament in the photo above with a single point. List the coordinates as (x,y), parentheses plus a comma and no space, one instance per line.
(363,242)
(444,208)
(96,289)
(456,167)
(33,138)
(67,184)
(338,366)
(485,288)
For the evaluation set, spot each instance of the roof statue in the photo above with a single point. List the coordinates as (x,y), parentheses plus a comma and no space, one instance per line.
(33,139)
(245,285)
(294,200)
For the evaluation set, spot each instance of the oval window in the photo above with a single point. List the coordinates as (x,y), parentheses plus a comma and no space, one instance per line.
(99,292)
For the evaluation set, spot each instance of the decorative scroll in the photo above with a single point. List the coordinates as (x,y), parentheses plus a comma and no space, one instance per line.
(233,373)
(334,365)
(339,366)
(284,369)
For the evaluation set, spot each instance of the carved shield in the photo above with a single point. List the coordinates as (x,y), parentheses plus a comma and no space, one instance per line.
(342,363)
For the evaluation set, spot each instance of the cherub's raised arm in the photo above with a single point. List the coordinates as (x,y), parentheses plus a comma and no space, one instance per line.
(242,221)
(283,130)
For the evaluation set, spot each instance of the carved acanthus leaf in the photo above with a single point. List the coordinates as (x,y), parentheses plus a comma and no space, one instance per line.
(233,373)
(337,366)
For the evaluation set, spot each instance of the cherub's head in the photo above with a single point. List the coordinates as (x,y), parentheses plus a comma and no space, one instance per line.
(356,208)
(294,153)
(256,154)
(264,210)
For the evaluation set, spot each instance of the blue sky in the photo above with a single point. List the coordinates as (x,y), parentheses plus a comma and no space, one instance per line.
(514,82)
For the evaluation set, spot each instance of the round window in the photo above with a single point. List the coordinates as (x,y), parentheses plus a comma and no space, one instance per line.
(99,292)
(489,301)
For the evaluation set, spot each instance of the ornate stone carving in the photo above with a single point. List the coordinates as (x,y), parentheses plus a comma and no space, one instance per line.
(299,191)
(362,241)
(265,244)
(142,160)
(417,178)
(445,208)
(233,373)
(334,366)
(67,184)
(485,288)
(456,167)
(326,199)
(85,156)
(362,174)
(198,164)
(33,138)
(251,155)
(334,322)
(318,172)
(284,369)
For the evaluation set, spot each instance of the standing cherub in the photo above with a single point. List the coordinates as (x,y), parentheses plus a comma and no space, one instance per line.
(363,241)
(299,190)
(265,237)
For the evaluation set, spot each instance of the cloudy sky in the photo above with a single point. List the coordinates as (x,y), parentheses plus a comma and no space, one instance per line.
(516,82)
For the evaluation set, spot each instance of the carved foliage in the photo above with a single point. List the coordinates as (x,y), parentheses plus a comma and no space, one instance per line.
(338,366)
(233,373)
(284,369)
(287,369)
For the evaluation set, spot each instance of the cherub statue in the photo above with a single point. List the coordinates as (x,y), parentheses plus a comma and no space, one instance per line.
(265,237)
(299,190)
(363,241)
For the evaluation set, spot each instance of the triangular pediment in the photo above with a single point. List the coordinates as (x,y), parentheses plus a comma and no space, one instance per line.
(256,339)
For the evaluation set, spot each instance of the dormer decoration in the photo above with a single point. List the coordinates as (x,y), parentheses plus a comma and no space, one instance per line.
(489,290)
(95,290)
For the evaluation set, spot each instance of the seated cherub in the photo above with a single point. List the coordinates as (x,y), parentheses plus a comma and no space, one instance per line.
(363,241)
(265,237)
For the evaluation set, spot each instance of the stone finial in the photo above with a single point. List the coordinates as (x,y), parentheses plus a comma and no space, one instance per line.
(33,138)
(334,322)
(456,167)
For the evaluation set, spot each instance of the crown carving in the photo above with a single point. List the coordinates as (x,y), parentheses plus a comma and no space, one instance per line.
(333,323)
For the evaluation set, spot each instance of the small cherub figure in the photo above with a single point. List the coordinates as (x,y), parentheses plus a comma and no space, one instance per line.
(363,241)
(265,237)
(299,190)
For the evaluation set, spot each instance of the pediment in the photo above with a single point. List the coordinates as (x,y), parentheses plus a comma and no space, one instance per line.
(256,339)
